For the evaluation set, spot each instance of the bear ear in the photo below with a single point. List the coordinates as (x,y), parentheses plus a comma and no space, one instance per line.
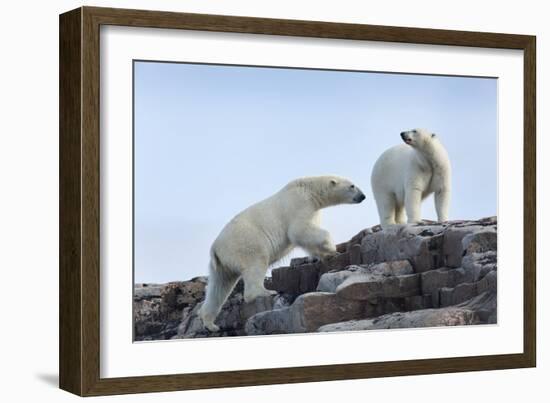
(433,135)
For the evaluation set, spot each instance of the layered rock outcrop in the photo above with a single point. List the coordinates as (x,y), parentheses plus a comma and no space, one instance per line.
(421,275)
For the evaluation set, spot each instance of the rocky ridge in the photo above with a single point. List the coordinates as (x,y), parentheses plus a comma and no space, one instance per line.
(425,275)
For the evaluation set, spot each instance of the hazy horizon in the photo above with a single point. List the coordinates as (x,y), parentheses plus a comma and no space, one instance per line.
(211,140)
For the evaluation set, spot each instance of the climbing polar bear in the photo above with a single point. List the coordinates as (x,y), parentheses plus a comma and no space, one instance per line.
(406,174)
(266,232)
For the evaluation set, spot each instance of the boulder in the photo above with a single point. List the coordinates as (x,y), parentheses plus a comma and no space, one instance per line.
(479,264)
(232,317)
(421,245)
(433,280)
(306,314)
(158,308)
(481,241)
(147,291)
(451,316)
(452,243)
(331,280)
(466,291)
(371,286)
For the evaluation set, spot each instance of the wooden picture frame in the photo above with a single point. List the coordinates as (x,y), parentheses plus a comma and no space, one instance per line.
(79,278)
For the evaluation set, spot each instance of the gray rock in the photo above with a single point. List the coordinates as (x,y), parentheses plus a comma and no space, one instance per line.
(232,318)
(452,244)
(277,321)
(484,305)
(421,245)
(158,308)
(451,316)
(460,293)
(392,268)
(480,263)
(433,280)
(355,256)
(382,306)
(481,309)
(336,262)
(428,274)
(147,291)
(286,279)
(466,291)
(303,278)
(180,294)
(330,281)
(481,241)
(306,314)
(370,286)
(297,261)
(417,302)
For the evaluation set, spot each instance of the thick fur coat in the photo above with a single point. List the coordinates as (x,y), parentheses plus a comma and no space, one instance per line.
(266,232)
(406,174)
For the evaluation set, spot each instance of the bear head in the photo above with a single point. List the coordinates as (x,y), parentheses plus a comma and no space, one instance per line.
(418,138)
(343,191)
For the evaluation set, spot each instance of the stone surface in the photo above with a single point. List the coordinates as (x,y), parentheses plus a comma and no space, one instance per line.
(433,280)
(427,274)
(158,308)
(480,309)
(306,314)
(419,244)
(370,286)
(232,317)
(331,280)
(452,244)
(481,241)
(479,264)
(452,316)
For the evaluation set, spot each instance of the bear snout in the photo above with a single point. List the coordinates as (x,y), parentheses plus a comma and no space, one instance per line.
(406,138)
(359,198)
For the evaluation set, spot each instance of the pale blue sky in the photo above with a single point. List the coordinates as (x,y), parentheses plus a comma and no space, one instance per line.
(212,140)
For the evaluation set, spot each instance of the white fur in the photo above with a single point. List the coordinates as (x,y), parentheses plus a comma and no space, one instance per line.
(406,174)
(266,232)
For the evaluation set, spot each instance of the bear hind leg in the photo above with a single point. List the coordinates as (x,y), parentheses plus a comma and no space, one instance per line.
(220,284)
(254,283)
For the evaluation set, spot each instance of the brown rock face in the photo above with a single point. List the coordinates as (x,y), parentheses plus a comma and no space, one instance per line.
(433,274)
(158,308)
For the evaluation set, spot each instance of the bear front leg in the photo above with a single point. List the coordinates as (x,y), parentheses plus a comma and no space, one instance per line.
(316,241)
(442,200)
(413,199)
(386,205)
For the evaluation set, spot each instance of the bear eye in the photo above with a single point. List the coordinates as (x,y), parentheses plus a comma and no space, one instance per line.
(414,131)
(352,187)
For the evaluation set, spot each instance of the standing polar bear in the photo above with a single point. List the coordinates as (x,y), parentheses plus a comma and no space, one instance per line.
(406,174)
(266,232)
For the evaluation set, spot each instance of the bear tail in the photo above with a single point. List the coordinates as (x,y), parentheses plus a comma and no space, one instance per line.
(221,282)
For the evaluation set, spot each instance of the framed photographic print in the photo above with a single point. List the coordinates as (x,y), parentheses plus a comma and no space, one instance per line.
(249,201)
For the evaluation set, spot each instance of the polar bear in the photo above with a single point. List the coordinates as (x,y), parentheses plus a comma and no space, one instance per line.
(266,232)
(406,174)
